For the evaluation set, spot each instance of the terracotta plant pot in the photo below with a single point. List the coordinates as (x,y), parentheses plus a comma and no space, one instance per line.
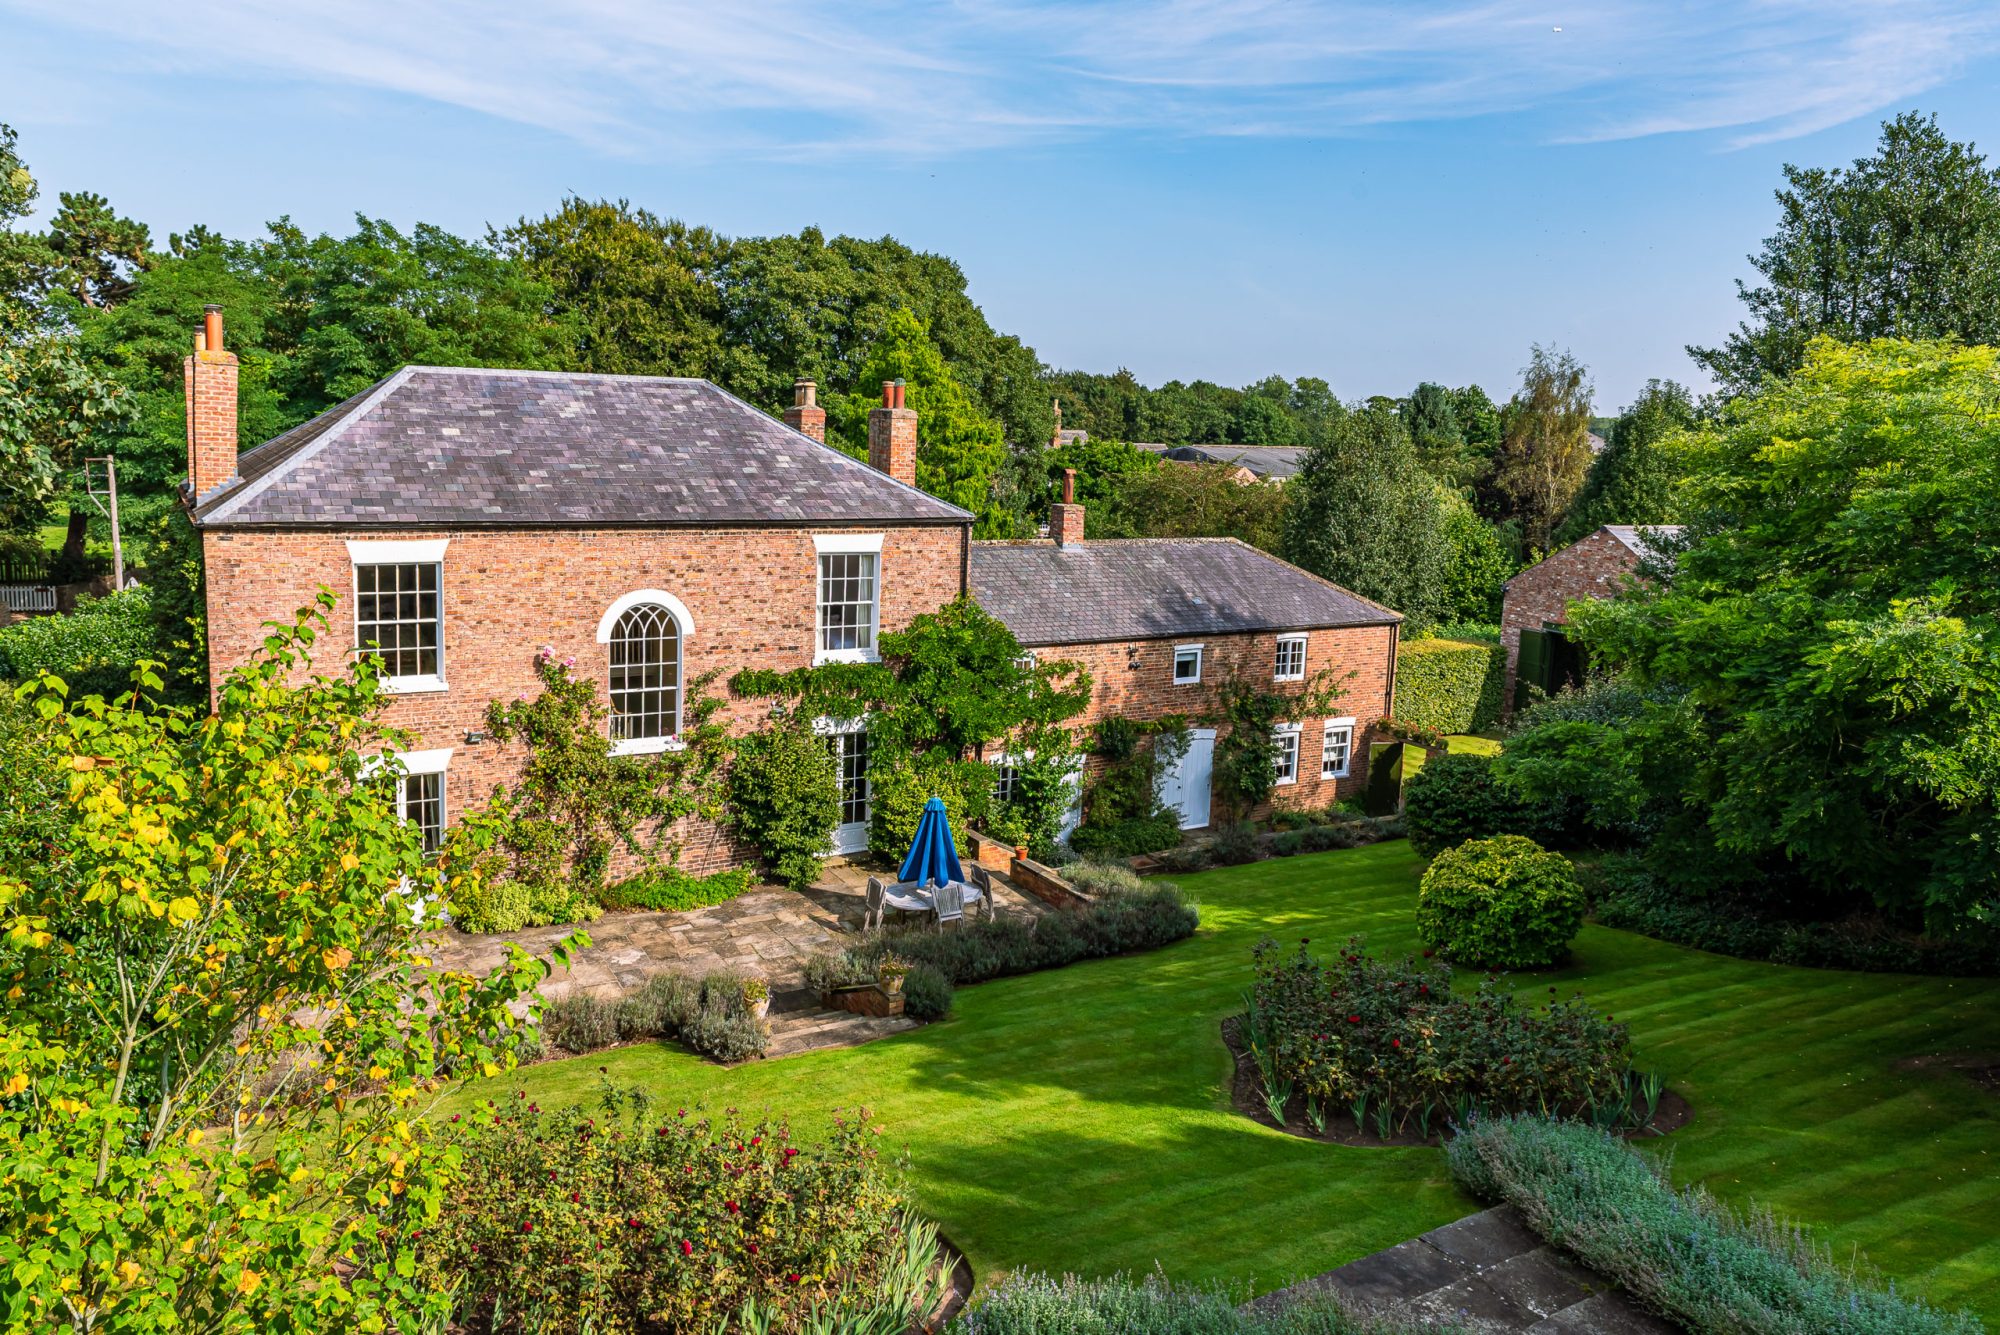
(1020,852)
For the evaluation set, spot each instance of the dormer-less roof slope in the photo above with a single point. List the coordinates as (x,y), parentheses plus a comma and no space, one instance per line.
(1643,541)
(1155,588)
(445,447)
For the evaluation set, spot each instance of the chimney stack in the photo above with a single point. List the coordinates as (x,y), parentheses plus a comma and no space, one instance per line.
(892,436)
(1066,516)
(805,414)
(210,374)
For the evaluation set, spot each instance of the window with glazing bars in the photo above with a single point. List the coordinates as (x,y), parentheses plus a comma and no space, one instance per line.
(1287,760)
(645,683)
(1335,749)
(1291,664)
(853,778)
(423,807)
(847,602)
(396,617)
(1005,778)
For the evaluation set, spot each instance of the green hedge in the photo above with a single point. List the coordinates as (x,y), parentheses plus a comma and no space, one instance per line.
(1450,685)
(92,649)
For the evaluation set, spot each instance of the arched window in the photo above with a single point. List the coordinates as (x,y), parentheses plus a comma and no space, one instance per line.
(644,634)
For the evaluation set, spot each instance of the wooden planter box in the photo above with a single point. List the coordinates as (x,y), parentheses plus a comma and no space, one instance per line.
(865,999)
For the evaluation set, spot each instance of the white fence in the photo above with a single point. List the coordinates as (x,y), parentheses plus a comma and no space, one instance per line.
(28,597)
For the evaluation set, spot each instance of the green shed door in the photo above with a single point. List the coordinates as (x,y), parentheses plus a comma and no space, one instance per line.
(1532,667)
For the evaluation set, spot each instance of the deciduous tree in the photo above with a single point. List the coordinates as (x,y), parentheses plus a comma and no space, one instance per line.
(1633,481)
(1544,445)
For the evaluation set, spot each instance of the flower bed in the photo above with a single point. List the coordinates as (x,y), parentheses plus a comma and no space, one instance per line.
(1396,1049)
(635,1219)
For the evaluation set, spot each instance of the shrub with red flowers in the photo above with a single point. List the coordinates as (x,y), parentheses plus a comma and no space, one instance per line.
(1399,1049)
(642,1219)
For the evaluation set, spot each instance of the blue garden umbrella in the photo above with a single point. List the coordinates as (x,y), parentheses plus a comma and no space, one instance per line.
(933,858)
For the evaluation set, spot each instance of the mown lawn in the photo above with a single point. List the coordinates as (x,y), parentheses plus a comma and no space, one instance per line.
(1077,1120)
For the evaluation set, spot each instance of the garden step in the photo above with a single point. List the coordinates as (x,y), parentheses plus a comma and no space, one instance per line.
(813,1031)
(1485,1273)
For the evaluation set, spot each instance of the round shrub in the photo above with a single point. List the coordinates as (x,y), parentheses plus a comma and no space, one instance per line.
(1457,797)
(784,796)
(1502,903)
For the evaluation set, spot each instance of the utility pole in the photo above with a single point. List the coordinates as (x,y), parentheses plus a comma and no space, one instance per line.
(106,501)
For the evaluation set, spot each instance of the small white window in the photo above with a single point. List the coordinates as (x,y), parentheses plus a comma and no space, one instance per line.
(850,601)
(1187,664)
(1336,748)
(420,794)
(399,610)
(1006,775)
(1291,658)
(1286,736)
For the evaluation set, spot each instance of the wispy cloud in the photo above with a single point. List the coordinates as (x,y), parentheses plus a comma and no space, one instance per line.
(670,78)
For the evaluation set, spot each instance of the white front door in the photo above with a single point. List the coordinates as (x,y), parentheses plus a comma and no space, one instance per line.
(1185,788)
(850,758)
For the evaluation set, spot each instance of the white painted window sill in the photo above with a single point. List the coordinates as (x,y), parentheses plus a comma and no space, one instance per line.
(846,656)
(1284,783)
(1333,774)
(647,746)
(413,685)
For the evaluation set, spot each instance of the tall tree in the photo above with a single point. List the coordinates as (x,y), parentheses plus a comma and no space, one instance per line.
(55,405)
(1477,562)
(1835,626)
(959,448)
(1633,481)
(1544,444)
(1430,415)
(1263,416)
(1902,244)
(1363,513)
(97,253)
(1177,500)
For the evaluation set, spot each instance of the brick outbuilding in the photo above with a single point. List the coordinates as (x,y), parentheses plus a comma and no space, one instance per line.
(1536,603)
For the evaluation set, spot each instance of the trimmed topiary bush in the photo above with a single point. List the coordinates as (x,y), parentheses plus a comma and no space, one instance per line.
(92,649)
(1456,797)
(1450,685)
(784,797)
(1500,903)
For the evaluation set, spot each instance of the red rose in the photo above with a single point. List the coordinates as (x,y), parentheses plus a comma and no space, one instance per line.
(756,1140)
(687,1248)
(730,1206)
(1395,1042)
(574,1197)
(633,1223)
(753,1249)
(528,1228)
(1354,1019)
(794,1279)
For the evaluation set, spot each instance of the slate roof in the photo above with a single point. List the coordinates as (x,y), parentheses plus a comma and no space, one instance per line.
(1266,461)
(448,447)
(1155,588)
(1640,540)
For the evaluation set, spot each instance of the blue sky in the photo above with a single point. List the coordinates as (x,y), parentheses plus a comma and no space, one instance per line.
(1376,193)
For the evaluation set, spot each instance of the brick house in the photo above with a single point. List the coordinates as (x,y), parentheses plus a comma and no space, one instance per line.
(653,529)
(1535,605)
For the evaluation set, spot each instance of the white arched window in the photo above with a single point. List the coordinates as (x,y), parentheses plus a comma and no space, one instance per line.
(645,634)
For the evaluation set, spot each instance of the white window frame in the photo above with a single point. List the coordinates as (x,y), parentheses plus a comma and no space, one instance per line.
(684,620)
(435,761)
(847,544)
(1199,654)
(1283,641)
(399,552)
(1332,726)
(1287,736)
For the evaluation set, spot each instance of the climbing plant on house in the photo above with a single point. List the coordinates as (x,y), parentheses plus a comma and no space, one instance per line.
(578,800)
(1246,717)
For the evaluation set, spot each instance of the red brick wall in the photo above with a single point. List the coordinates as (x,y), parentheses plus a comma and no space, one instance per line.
(1136,680)
(752,595)
(208,389)
(1539,596)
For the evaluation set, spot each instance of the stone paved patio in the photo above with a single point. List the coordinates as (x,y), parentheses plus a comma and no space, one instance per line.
(767,933)
(1486,1274)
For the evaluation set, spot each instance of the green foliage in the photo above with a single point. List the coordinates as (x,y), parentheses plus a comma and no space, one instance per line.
(671,889)
(1363,513)
(1830,640)
(1544,446)
(628,1218)
(1398,1048)
(899,786)
(177,586)
(1036,1304)
(222,1024)
(1449,685)
(1501,903)
(1586,770)
(926,993)
(1430,415)
(1477,563)
(1684,1253)
(1101,468)
(93,650)
(959,447)
(953,680)
(1459,796)
(1902,244)
(578,799)
(1185,500)
(1125,838)
(1634,480)
(1047,771)
(784,797)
